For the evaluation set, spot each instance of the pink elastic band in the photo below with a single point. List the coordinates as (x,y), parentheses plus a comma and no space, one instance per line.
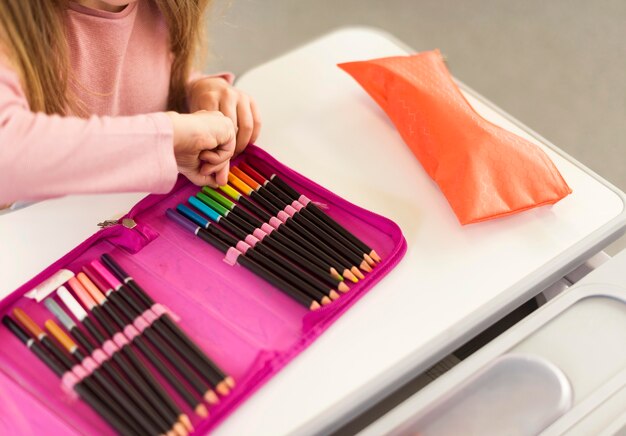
(304,200)
(99,356)
(160,309)
(283,216)
(297,205)
(251,240)
(242,246)
(150,316)
(120,339)
(290,210)
(259,234)
(89,364)
(231,256)
(79,371)
(68,381)
(141,323)
(274,222)
(109,347)
(106,275)
(131,332)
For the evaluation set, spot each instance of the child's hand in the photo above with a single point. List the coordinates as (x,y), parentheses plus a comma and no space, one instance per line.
(216,94)
(204,142)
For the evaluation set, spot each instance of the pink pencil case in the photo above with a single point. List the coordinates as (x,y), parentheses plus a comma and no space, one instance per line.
(249,328)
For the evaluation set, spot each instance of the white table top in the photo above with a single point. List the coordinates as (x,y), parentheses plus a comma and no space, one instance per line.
(453,281)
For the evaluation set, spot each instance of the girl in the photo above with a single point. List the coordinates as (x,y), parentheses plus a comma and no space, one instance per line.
(98,96)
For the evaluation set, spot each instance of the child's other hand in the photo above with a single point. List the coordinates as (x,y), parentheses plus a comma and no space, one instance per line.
(204,142)
(216,94)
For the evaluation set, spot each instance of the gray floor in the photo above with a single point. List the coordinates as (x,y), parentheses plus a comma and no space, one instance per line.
(558,66)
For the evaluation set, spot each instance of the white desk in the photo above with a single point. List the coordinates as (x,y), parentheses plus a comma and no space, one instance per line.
(453,282)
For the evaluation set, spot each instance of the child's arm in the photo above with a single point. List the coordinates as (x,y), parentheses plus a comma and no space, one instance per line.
(44,156)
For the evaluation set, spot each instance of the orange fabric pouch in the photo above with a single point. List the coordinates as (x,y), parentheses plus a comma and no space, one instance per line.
(483,170)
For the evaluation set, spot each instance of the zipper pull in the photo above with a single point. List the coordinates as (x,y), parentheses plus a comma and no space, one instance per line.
(126,222)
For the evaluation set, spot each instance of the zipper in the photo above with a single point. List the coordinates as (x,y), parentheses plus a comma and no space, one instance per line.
(129,223)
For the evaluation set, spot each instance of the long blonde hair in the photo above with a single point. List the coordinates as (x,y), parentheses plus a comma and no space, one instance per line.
(32,32)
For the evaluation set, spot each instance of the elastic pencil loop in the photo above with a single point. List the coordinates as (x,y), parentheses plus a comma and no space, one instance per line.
(290,210)
(259,234)
(159,309)
(150,316)
(68,381)
(283,216)
(140,323)
(231,256)
(131,332)
(274,222)
(90,364)
(251,240)
(109,347)
(99,356)
(242,246)
(297,205)
(120,339)
(304,200)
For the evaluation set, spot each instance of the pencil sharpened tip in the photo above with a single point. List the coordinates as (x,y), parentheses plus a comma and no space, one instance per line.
(343,287)
(222,388)
(333,295)
(375,256)
(180,429)
(369,260)
(335,275)
(201,410)
(357,272)
(326,301)
(314,305)
(184,420)
(211,397)
(230,382)
(365,267)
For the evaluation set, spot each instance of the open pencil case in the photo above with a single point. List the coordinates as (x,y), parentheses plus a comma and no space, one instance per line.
(248,327)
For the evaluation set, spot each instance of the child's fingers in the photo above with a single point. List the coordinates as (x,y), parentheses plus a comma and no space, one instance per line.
(256,120)
(221,176)
(245,123)
(208,169)
(228,105)
(216,156)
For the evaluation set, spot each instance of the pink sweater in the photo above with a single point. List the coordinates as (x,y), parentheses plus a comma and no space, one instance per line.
(120,72)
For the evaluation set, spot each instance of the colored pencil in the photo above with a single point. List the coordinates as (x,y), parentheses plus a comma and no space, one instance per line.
(123,316)
(244,261)
(272,179)
(126,359)
(144,299)
(92,384)
(268,247)
(147,421)
(290,237)
(81,388)
(111,321)
(113,289)
(311,223)
(138,398)
(255,254)
(300,225)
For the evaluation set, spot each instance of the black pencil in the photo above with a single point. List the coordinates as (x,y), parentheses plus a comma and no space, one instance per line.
(121,314)
(274,179)
(304,228)
(139,398)
(143,298)
(115,325)
(289,236)
(282,200)
(98,405)
(267,247)
(244,261)
(126,359)
(279,268)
